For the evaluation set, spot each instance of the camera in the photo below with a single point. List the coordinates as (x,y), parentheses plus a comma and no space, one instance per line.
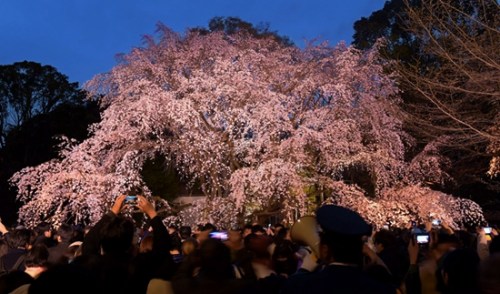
(487,230)
(423,238)
(219,235)
(131,199)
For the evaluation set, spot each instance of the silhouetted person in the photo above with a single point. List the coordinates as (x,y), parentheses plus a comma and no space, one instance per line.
(208,271)
(341,252)
(43,233)
(458,272)
(108,250)
(19,243)
(35,264)
(57,254)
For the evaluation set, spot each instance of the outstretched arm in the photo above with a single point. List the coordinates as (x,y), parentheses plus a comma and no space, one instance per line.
(161,238)
(412,278)
(92,242)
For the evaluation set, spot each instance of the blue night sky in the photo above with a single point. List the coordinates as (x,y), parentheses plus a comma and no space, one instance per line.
(81,37)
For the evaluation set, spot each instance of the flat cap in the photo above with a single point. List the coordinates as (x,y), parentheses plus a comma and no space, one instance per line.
(341,220)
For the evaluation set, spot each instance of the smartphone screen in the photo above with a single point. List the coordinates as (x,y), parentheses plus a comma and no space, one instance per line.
(487,230)
(131,199)
(422,239)
(219,235)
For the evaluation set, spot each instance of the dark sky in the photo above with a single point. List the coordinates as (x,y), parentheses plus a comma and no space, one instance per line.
(81,37)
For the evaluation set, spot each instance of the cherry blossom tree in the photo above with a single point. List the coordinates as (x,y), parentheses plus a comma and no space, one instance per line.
(255,122)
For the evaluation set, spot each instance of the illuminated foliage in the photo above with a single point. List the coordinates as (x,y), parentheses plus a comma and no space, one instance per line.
(254,121)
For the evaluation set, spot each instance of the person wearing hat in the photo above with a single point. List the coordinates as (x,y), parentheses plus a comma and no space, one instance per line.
(341,246)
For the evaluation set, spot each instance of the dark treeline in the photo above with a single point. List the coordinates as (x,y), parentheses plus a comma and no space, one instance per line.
(38,106)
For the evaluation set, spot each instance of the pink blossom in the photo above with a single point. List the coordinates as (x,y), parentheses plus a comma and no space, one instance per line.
(256,123)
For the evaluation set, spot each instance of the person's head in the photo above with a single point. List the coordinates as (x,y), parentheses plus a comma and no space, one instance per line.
(198,228)
(284,259)
(258,230)
(189,246)
(175,242)
(281,234)
(117,235)
(20,238)
(465,239)
(458,272)
(247,230)
(44,229)
(172,229)
(209,227)
(37,256)
(234,235)
(341,248)
(64,233)
(215,258)
(78,233)
(445,242)
(257,244)
(384,240)
(341,236)
(278,227)
(185,232)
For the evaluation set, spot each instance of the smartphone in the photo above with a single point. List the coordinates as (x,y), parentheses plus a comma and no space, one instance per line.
(385,227)
(131,199)
(423,238)
(436,223)
(219,235)
(487,230)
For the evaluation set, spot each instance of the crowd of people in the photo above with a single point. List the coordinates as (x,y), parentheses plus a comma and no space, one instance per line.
(116,256)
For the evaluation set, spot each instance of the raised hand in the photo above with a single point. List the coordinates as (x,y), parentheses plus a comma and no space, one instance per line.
(117,206)
(145,206)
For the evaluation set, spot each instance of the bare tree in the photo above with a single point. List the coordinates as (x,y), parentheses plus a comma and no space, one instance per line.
(459,80)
